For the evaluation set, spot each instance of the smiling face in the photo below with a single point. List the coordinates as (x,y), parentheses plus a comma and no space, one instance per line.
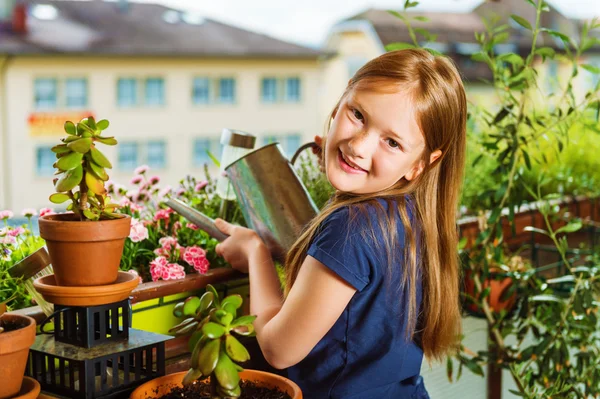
(373,142)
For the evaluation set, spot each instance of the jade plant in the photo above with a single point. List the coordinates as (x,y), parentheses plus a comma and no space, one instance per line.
(81,165)
(216,352)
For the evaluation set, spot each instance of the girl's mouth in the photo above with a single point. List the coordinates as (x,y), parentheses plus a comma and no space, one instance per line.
(347,167)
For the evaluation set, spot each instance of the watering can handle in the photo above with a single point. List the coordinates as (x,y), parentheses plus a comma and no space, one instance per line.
(302,148)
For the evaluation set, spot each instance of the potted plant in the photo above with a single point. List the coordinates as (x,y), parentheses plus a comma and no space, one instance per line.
(216,352)
(17,334)
(85,244)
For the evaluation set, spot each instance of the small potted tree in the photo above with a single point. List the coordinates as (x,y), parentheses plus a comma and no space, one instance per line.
(85,244)
(216,352)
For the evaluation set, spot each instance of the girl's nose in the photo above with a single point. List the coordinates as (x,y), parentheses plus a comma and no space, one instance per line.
(363,144)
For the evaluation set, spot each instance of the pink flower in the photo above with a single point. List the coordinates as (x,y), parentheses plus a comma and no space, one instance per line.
(168,242)
(176,226)
(10,240)
(180,192)
(138,232)
(140,170)
(154,180)
(6,214)
(175,272)
(163,214)
(135,273)
(164,191)
(157,267)
(136,179)
(192,226)
(196,257)
(124,201)
(201,185)
(135,207)
(46,211)
(16,231)
(29,212)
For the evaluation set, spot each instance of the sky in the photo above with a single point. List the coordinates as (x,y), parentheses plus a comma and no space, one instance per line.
(308,21)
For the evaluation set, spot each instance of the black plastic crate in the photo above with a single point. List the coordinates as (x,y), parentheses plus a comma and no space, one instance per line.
(92,325)
(112,370)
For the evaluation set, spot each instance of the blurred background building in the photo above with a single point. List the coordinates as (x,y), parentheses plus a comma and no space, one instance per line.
(169,81)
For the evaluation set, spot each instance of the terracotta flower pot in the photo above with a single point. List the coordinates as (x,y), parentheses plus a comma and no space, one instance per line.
(14,348)
(84,253)
(30,389)
(498,287)
(163,385)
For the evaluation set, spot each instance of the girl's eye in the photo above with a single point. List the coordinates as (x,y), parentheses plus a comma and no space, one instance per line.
(393,143)
(357,114)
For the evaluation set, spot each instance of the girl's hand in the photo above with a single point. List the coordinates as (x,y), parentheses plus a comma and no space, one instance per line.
(236,249)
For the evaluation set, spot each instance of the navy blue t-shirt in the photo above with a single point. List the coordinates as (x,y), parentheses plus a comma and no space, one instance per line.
(365,354)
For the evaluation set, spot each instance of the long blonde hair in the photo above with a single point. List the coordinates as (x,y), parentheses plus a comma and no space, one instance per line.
(439,100)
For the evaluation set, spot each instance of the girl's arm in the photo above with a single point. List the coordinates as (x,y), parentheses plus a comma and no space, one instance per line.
(286,331)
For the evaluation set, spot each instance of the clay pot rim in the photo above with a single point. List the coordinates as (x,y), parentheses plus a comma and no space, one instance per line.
(30,389)
(15,334)
(64,218)
(86,295)
(174,379)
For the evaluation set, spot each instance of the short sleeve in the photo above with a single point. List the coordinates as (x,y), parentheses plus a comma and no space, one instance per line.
(343,251)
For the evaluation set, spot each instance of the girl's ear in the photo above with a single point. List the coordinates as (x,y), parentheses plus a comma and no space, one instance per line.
(418,168)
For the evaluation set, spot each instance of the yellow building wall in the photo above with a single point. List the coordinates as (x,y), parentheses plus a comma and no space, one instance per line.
(178,122)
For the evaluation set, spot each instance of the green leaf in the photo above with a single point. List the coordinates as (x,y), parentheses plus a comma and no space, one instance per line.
(99,158)
(98,171)
(209,356)
(91,122)
(82,145)
(235,349)
(571,227)
(449,368)
(191,376)
(240,321)
(560,280)
(69,161)
(536,230)
(102,124)
(235,300)
(212,289)
(60,149)
(226,372)
(70,128)
(559,35)
(421,18)
(474,367)
(70,179)
(213,330)
(214,159)
(590,68)
(59,198)
(107,140)
(546,298)
(246,330)
(521,21)
(190,306)
(545,52)
(398,46)
(205,302)
(90,214)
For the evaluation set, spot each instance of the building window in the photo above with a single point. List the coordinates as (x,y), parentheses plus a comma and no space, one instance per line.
(155,91)
(156,156)
(201,91)
(45,158)
(76,93)
(127,92)
(226,91)
(269,90)
(46,93)
(202,148)
(128,156)
(292,90)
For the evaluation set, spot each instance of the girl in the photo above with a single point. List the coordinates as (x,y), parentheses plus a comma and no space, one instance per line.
(372,283)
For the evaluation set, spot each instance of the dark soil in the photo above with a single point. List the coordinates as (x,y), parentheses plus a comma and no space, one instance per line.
(201,390)
(12,325)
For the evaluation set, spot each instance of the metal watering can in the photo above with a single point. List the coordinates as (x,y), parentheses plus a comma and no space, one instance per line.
(272,198)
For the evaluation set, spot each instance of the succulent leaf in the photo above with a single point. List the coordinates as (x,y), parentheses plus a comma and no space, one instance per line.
(209,356)
(246,330)
(91,122)
(226,373)
(205,301)
(68,139)
(102,124)
(60,149)
(58,198)
(88,213)
(194,339)
(191,376)
(98,171)
(70,179)
(235,349)
(190,305)
(107,140)
(212,289)
(235,300)
(94,184)
(178,310)
(229,393)
(69,161)
(240,321)
(213,330)
(99,158)
(82,145)
(70,128)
